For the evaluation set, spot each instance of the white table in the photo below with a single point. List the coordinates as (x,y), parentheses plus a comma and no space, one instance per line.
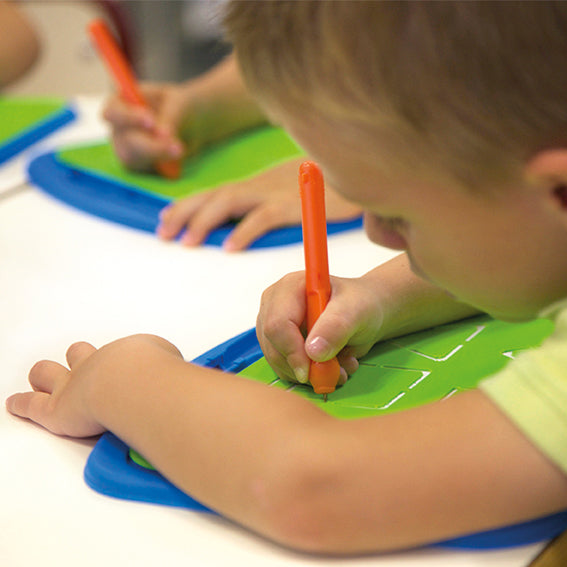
(66,276)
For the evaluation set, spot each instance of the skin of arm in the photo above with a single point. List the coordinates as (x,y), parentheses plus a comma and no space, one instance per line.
(278,465)
(19,44)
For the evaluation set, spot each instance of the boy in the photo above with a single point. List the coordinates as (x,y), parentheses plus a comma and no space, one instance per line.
(444,121)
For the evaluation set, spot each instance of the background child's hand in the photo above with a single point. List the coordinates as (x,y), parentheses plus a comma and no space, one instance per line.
(348,328)
(142,136)
(182,118)
(267,201)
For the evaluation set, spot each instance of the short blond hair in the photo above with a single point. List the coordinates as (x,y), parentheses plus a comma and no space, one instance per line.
(472,87)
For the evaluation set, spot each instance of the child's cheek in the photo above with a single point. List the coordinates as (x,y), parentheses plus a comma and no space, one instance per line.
(384,232)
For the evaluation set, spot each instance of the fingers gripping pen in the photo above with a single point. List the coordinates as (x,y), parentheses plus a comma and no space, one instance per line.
(322,375)
(125,80)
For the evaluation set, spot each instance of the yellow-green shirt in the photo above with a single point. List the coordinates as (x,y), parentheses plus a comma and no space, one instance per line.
(532,390)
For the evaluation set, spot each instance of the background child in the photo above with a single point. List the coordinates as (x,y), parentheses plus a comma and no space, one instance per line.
(443,121)
(183,119)
(19,43)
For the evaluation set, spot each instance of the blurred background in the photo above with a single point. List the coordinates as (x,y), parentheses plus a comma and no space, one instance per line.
(165,40)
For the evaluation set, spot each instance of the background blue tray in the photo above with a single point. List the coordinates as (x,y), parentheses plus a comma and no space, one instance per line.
(137,209)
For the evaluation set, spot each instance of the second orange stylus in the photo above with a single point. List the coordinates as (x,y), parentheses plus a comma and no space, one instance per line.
(323,376)
(125,80)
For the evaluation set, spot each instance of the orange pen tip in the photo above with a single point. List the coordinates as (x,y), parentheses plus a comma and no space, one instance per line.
(324,376)
(169,169)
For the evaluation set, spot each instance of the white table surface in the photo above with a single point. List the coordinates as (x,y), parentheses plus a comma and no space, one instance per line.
(66,276)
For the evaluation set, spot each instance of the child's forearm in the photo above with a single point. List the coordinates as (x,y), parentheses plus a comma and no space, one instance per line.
(221,103)
(410,303)
(222,438)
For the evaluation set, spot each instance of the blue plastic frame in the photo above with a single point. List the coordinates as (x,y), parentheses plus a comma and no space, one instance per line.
(119,203)
(26,138)
(111,471)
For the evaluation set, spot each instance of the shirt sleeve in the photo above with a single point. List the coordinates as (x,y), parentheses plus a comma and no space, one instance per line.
(532,392)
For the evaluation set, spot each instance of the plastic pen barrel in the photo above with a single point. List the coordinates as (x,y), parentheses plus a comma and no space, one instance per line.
(323,376)
(125,80)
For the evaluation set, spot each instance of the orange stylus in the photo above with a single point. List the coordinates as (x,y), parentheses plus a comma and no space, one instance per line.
(323,376)
(125,80)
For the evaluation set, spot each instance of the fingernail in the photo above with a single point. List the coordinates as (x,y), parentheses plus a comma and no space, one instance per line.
(175,150)
(229,246)
(161,232)
(148,122)
(188,239)
(317,348)
(301,374)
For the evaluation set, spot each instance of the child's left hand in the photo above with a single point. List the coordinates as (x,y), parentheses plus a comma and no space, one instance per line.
(265,202)
(58,401)
(64,399)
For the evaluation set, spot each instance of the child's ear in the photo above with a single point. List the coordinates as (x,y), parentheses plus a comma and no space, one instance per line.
(546,171)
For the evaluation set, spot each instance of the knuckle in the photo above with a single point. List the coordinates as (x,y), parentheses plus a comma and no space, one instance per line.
(269,214)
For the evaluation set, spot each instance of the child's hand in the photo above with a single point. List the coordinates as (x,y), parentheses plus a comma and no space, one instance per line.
(57,402)
(265,202)
(143,136)
(182,118)
(62,398)
(348,328)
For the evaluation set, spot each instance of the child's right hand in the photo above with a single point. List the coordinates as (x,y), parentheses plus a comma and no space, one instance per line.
(386,302)
(348,328)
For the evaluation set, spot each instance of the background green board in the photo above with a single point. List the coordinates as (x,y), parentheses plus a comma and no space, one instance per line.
(21,113)
(242,156)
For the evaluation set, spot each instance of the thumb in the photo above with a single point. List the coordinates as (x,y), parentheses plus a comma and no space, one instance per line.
(168,123)
(330,333)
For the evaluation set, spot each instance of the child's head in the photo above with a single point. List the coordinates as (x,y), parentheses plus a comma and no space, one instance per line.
(473,88)
(446,121)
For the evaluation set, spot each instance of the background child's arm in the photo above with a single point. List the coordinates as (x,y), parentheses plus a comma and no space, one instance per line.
(280,466)
(389,301)
(19,43)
